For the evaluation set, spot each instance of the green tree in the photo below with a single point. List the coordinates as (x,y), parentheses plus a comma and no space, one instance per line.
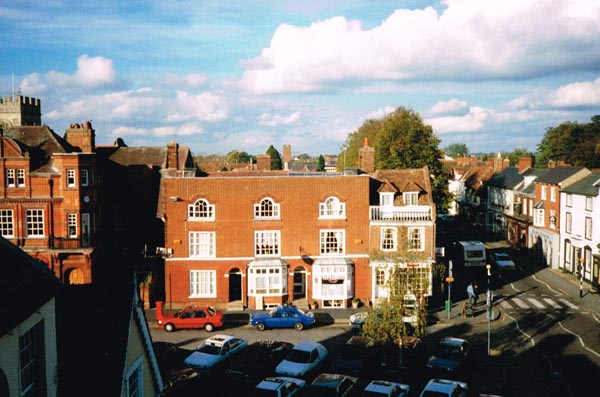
(321,163)
(516,154)
(402,140)
(276,163)
(455,150)
(237,157)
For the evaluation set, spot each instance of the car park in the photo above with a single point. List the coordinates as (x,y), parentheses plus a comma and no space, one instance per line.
(282,317)
(332,385)
(257,361)
(502,261)
(303,359)
(213,352)
(190,317)
(443,388)
(280,386)
(404,356)
(355,357)
(384,388)
(451,356)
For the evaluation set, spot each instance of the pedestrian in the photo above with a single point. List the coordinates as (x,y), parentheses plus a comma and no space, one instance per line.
(471,294)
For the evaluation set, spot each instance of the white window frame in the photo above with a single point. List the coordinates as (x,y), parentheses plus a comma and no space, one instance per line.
(34,223)
(7,225)
(267,280)
(72,225)
(332,208)
(544,192)
(553,194)
(569,202)
(202,244)
(84,177)
(389,239)
(568,222)
(201,210)
(410,198)
(267,243)
(10,177)
(326,244)
(71,178)
(266,209)
(203,283)
(552,221)
(538,217)
(21,177)
(589,203)
(333,294)
(588,228)
(31,360)
(412,241)
(386,199)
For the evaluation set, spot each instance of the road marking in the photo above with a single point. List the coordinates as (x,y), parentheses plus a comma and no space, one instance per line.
(567,303)
(552,303)
(505,305)
(520,303)
(536,303)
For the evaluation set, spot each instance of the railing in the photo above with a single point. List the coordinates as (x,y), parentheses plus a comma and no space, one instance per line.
(401,214)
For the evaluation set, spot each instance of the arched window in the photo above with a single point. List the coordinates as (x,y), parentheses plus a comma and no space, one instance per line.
(267,208)
(201,210)
(332,208)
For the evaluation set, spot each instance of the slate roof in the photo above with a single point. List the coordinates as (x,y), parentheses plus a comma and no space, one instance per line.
(25,285)
(508,178)
(39,142)
(587,186)
(557,174)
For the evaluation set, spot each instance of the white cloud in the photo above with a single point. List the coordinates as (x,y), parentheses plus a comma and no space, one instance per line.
(445,107)
(573,95)
(473,121)
(380,113)
(94,72)
(129,131)
(203,107)
(274,120)
(469,40)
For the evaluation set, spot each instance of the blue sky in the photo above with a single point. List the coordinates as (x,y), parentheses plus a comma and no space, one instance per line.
(221,76)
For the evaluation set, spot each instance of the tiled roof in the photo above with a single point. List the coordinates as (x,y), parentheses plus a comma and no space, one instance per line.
(557,174)
(587,186)
(26,284)
(408,180)
(40,142)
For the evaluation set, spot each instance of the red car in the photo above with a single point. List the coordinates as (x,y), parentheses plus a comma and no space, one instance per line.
(189,317)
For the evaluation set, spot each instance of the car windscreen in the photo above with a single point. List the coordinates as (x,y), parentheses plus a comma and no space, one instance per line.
(298,356)
(210,349)
(448,351)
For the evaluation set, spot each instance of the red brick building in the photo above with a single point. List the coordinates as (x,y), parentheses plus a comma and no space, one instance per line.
(260,238)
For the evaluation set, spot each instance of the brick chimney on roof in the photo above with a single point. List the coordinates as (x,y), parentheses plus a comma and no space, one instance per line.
(524,164)
(366,157)
(82,136)
(263,162)
(172,155)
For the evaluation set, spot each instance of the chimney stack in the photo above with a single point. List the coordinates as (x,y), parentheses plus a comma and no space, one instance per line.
(366,157)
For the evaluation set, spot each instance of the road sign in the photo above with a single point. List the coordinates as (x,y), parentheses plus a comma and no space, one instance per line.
(449,279)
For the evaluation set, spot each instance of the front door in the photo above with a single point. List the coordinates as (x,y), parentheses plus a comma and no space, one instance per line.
(299,283)
(235,285)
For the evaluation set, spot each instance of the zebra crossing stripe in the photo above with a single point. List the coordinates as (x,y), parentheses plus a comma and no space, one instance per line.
(567,303)
(505,305)
(520,303)
(536,303)
(552,303)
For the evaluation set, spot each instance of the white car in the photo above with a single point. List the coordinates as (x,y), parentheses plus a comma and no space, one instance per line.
(502,261)
(302,359)
(280,386)
(214,351)
(383,388)
(444,387)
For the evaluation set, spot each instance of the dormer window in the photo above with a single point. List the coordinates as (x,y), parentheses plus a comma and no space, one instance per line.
(266,209)
(201,210)
(410,198)
(386,199)
(332,208)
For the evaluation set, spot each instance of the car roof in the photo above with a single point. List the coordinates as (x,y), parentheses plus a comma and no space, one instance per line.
(331,380)
(307,345)
(271,383)
(220,338)
(382,386)
(441,385)
(452,341)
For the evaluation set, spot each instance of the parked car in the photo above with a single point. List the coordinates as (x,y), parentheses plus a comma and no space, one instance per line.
(214,351)
(302,359)
(332,385)
(257,361)
(444,387)
(282,317)
(206,317)
(502,261)
(355,357)
(451,356)
(280,386)
(384,388)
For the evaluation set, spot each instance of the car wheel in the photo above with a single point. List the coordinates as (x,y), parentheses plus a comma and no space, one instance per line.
(209,327)
(298,326)
(169,327)
(260,326)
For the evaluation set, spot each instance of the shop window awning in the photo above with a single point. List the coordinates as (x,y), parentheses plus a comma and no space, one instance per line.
(267,263)
(332,262)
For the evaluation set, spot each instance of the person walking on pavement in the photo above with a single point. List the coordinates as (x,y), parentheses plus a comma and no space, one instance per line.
(471,295)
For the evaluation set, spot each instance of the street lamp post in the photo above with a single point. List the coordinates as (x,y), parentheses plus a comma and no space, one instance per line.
(489,305)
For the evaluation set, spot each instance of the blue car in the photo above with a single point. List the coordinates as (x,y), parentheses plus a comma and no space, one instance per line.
(282,317)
